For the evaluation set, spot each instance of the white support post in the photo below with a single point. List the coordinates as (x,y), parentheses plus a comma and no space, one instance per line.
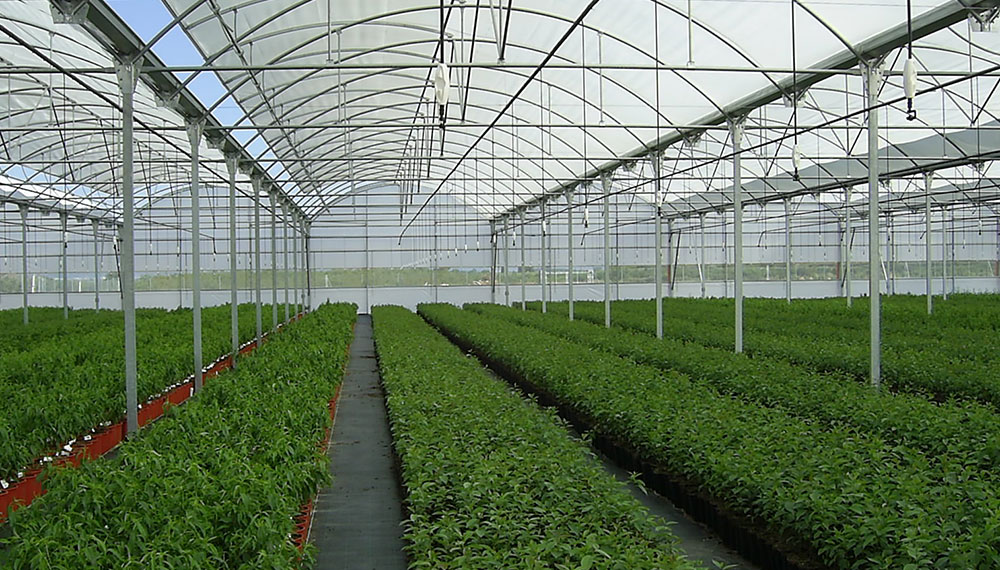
(606,186)
(944,255)
(506,262)
(670,275)
(569,252)
(434,261)
(788,251)
(890,248)
(24,263)
(232,163)
(294,221)
(63,220)
(303,277)
(127,76)
(736,130)
(848,238)
(97,269)
(523,266)
(928,178)
(306,267)
(493,262)
(874,79)
(954,258)
(274,260)
(285,265)
(258,308)
(541,246)
(701,255)
(654,158)
(194,130)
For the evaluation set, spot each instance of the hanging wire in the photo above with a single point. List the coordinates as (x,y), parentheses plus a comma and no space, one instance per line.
(795,101)
(911,113)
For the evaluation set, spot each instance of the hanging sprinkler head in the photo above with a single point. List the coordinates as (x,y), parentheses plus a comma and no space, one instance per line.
(910,66)
(796,162)
(442,89)
(910,87)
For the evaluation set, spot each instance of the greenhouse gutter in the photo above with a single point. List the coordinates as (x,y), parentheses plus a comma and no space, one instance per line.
(877,46)
(107,27)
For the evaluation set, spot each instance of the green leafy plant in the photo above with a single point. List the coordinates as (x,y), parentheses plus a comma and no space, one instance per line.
(969,433)
(214,484)
(949,354)
(494,482)
(61,387)
(852,499)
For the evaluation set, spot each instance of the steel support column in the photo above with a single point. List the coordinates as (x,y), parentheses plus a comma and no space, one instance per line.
(569,252)
(97,269)
(606,187)
(655,159)
(873,79)
(24,263)
(944,255)
(306,266)
(258,309)
(669,264)
(954,258)
(848,240)
(234,316)
(63,221)
(194,130)
(788,251)
(294,221)
(493,262)
(126,83)
(523,266)
(541,245)
(890,249)
(274,260)
(736,131)
(506,261)
(701,255)
(284,255)
(434,266)
(928,177)
(302,264)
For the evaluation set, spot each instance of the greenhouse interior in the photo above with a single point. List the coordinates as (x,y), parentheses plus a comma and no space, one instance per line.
(495,284)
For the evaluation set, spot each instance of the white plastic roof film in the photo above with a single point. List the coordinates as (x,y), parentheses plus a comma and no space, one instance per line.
(343,95)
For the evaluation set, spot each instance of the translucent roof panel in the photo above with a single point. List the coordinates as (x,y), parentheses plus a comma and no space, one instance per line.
(61,127)
(348,94)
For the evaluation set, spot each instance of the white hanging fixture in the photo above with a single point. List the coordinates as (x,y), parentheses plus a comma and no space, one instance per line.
(910,87)
(442,90)
(796,158)
(442,84)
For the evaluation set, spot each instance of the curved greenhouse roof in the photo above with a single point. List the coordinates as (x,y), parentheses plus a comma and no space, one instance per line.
(337,98)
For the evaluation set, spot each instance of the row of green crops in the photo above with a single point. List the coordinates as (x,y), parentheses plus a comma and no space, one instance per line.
(944,371)
(965,431)
(852,499)
(47,323)
(62,387)
(495,482)
(214,484)
(905,321)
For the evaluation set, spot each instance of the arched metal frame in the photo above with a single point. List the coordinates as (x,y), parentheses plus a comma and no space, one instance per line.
(79,167)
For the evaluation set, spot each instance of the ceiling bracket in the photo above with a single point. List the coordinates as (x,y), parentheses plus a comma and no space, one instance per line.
(69,11)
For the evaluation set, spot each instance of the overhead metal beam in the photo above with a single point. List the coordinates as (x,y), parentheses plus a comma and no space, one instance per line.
(108,28)
(875,47)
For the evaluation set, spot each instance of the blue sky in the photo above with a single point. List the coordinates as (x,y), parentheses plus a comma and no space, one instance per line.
(147,18)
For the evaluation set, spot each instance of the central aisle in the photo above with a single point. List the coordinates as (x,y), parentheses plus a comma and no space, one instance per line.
(357,520)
